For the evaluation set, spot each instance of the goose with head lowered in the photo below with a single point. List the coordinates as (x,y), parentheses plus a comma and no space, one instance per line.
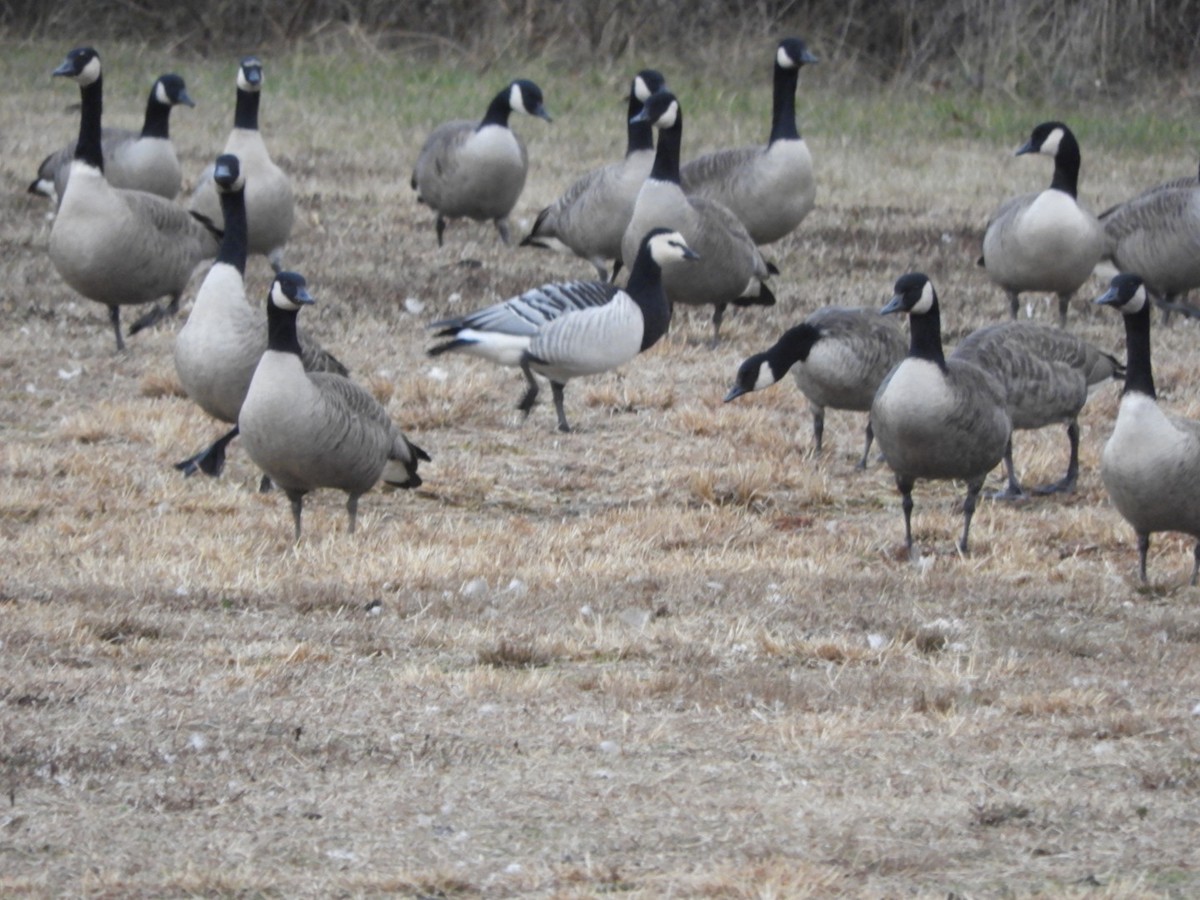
(1151,463)
(731,270)
(136,160)
(565,331)
(589,219)
(270,206)
(769,188)
(476,170)
(115,246)
(218,348)
(1045,241)
(838,358)
(935,417)
(309,430)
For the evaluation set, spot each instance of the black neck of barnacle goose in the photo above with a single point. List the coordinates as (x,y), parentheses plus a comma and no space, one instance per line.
(666,157)
(639,135)
(1138,375)
(88,148)
(645,287)
(234,239)
(783,104)
(281,329)
(498,110)
(158,117)
(793,346)
(1066,166)
(245,114)
(925,336)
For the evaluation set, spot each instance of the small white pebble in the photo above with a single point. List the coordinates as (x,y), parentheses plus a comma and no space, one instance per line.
(610,747)
(31,388)
(518,587)
(67,375)
(437,373)
(475,587)
(454,298)
(181,591)
(1196,710)
(512,869)
(586,611)
(197,741)
(876,641)
(413,305)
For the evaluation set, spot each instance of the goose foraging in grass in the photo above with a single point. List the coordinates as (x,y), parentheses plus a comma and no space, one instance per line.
(769,188)
(1045,241)
(114,246)
(838,358)
(309,430)
(1151,463)
(589,219)
(936,417)
(477,170)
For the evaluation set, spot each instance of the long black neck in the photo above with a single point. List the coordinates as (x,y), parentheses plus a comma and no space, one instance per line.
(645,287)
(281,329)
(88,148)
(498,110)
(158,117)
(783,104)
(639,135)
(245,114)
(1066,167)
(666,157)
(1138,375)
(234,240)
(792,347)
(926,336)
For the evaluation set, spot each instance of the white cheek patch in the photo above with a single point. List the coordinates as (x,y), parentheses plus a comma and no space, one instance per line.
(91,72)
(160,94)
(765,378)
(641,90)
(925,304)
(669,117)
(244,84)
(783,60)
(280,298)
(1139,300)
(1051,143)
(516,100)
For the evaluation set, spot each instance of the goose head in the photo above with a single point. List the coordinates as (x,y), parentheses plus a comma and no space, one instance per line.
(667,247)
(250,74)
(289,292)
(1126,293)
(754,374)
(227,173)
(648,82)
(661,110)
(525,96)
(82,66)
(913,294)
(1047,138)
(793,53)
(170,90)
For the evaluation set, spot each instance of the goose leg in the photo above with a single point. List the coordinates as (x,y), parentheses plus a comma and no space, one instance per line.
(210,460)
(718,317)
(265,484)
(441,228)
(1064,303)
(352,511)
(114,316)
(1067,485)
(156,314)
(906,485)
(1014,303)
(973,489)
(862,463)
(556,391)
(1195,563)
(502,227)
(1143,542)
(296,499)
(818,414)
(616,269)
(1013,491)
(531,392)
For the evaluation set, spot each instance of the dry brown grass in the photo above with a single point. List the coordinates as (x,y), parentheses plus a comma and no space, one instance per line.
(672,654)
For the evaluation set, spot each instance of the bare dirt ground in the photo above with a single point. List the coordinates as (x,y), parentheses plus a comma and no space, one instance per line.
(670,654)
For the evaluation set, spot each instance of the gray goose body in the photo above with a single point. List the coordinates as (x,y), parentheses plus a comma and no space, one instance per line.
(477,170)
(935,417)
(1151,463)
(769,188)
(838,358)
(218,348)
(270,205)
(590,218)
(134,160)
(731,269)
(1046,374)
(113,246)
(1045,241)
(317,430)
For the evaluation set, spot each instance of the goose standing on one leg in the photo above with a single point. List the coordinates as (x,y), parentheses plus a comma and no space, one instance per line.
(313,430)
(770,189)
(1045,241)
(1151,463)
(218,348)
(731,268)
(138,161)
(838,358)
(270,208)
(936,417)
(477,169)
(1046,374)
(113,246)
(589,219)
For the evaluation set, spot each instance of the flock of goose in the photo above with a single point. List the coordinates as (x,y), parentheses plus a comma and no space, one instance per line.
(689,234)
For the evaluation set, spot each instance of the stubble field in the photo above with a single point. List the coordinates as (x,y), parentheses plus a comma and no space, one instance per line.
(670,654)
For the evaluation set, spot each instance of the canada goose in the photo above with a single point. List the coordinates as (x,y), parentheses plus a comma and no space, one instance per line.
(219,346)
(1157,236)
(771,188)
(115,246)
(838,358)
(270,208)
(936,417)
(590,218)
(1045,241)
(477,169)
(139,161)
(309,430)
(731,268)
(1046,374)
(1151,463)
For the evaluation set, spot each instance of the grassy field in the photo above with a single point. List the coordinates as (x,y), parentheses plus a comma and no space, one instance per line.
(671,654)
